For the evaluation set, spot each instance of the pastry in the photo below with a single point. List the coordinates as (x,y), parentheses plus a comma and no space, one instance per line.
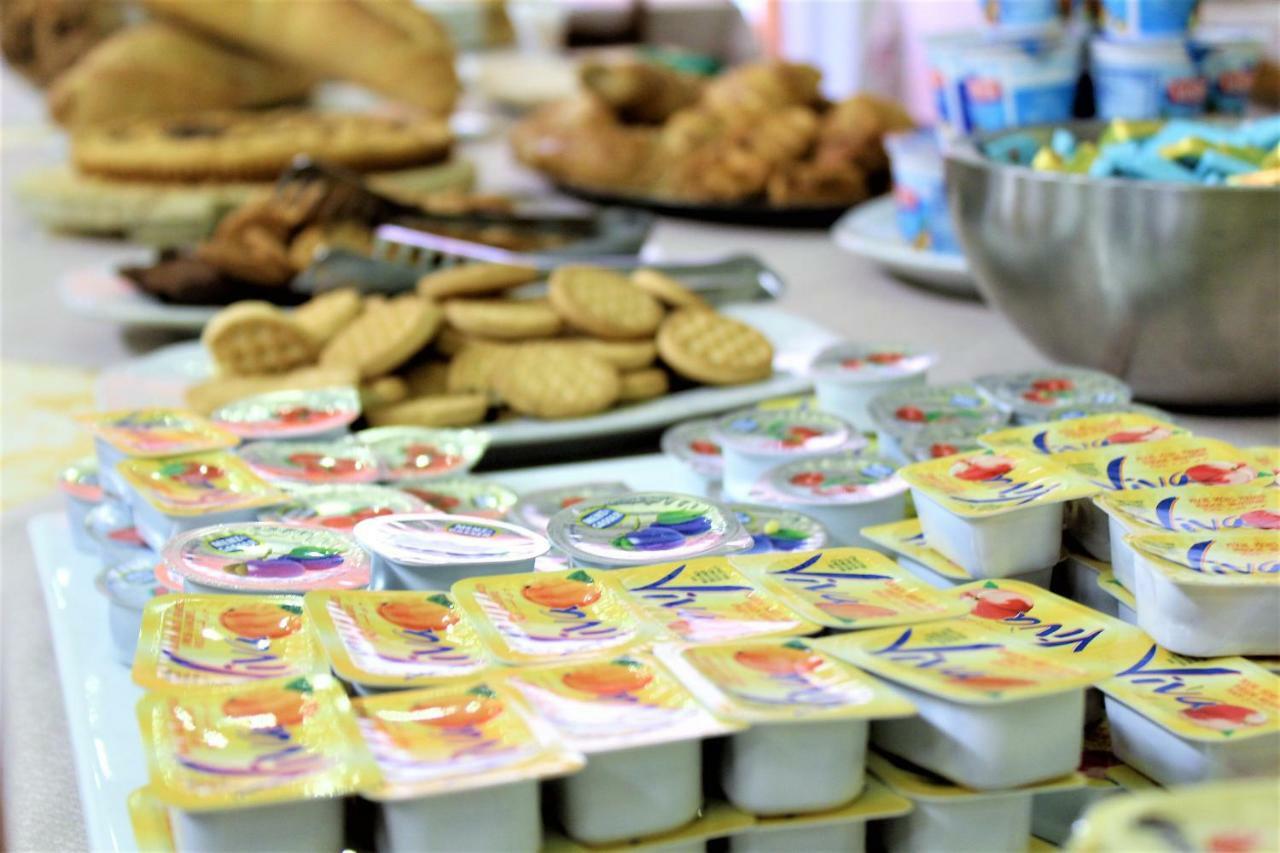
(603,303)
(43,38)
(708,347)
(640,91)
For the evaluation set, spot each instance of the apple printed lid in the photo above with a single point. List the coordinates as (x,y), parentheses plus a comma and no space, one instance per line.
(132,583)
(694,443)
(144,433)
(473,496)
(290,414)
(1183,460)
(407,452)
(339,507)
(642,528)
(198,484)
(1195,509)
(1035,394)
(833,479)
(438,539)
(80,480)
(854,362)
(785,431)
(959,406)
(261,556)
(983,483)
(536,508)
(777,529)
(1084,433)
(312,462)
(1222,558)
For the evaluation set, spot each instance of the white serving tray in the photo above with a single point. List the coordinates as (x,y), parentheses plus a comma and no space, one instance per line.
(870,231)
(159,379)
(96,690)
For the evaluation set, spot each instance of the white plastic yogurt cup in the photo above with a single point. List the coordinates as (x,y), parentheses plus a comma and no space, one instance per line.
(997,822)
(1011,543)
(1007,83)
(1228,60)
(755,440)
(535,509)
(1147,20)
(1035,396)
(81,492)
(693,444)
(914,416)
(128,587)
(304,826)
(502,817)
(1146,80)
(848,376)
(110,529)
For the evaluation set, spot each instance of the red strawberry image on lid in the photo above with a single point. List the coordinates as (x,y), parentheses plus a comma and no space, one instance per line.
(940,449)
(1262,519)
(296,414)
(1220,473)
(807,478)
(1225,717)
(982,468)
(911,414)
(998,604)
(1139,434)
(704,447)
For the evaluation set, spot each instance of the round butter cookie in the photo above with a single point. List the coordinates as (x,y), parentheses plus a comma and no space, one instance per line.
(253,338)
(709,347)
(603,303)
(470,279)
(546,382)
(502,319)
(384,336)
(444,410)
(666,289)
(644,384)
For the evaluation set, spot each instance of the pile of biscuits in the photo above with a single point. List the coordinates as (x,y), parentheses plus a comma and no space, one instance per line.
(463,347)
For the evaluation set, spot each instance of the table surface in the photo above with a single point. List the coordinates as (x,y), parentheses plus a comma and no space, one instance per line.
(853,298)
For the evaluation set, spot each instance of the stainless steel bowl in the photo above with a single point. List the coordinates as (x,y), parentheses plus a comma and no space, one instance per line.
(1175,288)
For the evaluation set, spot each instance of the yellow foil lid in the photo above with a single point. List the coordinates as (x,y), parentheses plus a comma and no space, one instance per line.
(157,432)
(1226,558)
(906,537)
(198,484)
(1173,462)
(1085,433)
(983,483)
(1195,509)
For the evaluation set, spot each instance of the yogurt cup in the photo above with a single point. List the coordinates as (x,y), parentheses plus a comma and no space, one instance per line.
(1143,20)
(1012,83)
(934,413)
(1181,721)
(717,819)
(843,828)
(128,587)
(81,492)
(262,766)
(920,202)
(808,713)
(1124,604)
(1035,396)
(996,513)
(318,414)
(845,491)
(169,495)
(935,447)
(777,529)
(460,767)
(641,730)
(1146,80)
(418,453)
(192,642)
(548,616)
(1076,578)
(847,589)
(435,550)
(148,433)
(945,816)
(994,711)
(313,463)
(396,640)
(340,507)
(693,444)
(1209,595)
(1085,433)
(109,527)
(1023,16)
(535,509)
(641,528)
(905,540)
(849,375)
(470,496)
(754,440)
(262,557)
(707,600)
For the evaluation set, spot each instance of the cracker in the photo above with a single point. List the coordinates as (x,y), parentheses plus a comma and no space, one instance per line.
(644,384)
(254,338)
(473,369)
(383,391)
(445,410)
(385,336)
(709,347)
(546,382)
(502,319)
(204,397)
(325,315)
(429,377)
(474,278)
(450,341)
(603,303)
(624,355)
(666,289)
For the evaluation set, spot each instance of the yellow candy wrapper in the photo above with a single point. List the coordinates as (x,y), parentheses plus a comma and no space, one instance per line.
(150,821)
(191,642)
(396,639)
(1195,509)
(707,600)
(274,742)
(916,783)
(198,484)
(1082,433)
(457,738)
(848,588)
(147,433)
(780,681)
(906,537)
(1227,558)
(980,484)
(1172,462)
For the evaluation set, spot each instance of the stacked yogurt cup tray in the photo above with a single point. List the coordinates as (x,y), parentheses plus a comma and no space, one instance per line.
(799,661)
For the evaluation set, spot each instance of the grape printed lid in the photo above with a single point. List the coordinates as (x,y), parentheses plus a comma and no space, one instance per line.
(439,539)
(694,444)
(536,508)
(406,452)
(260,556)
(290,414)
(836,478)
(314,462)
(909,411)
(778,529)
(855,362)
(1035,394)
(785,431)
(340,507)
(648,527)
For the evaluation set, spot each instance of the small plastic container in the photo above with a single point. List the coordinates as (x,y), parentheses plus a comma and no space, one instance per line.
(418,453)
(460,768)
(1007,83)
(549,616)
(1146,80)
(1076,578)
(843,828)
(535,509)
(1179,720)
(320,414)
(1147,20)
(996,513)
(1228,61)
(929,414)
(1035,396)
(470,496)
(263,557)
(920,202)
(340,507)
(845,491)
(110,529)
(81,492)
(717,819)
(261,767)
(994,713)
(1124,604)
(190,642)
(1209,595)
(848,589)
(169,495)
(641,528)
(934,447)
(905,541)
(693,444)
(1083,433)
(312,463)
(128,587)
(1023,16)
(775,529)
(435,550)
(808,714)
(146,434)
(641,730)
(755,440)
(848,376)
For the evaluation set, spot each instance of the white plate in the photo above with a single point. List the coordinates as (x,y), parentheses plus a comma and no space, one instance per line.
(159,379)
(870,230)
(96,689)
(104,294)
